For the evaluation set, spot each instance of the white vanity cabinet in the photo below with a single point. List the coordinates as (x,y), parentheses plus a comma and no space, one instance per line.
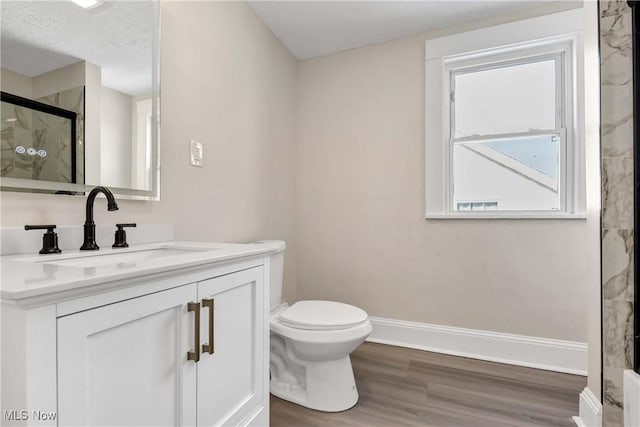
(189,350)
(126,363)
(231,372)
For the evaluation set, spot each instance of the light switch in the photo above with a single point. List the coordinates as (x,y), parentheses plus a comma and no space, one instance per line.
(195,153)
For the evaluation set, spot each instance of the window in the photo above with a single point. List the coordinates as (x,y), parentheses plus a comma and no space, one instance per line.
(508,139)
(508,129)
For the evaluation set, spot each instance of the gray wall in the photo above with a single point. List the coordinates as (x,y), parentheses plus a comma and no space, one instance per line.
(361,232)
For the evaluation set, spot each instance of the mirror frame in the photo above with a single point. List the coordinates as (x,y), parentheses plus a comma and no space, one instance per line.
(16,184)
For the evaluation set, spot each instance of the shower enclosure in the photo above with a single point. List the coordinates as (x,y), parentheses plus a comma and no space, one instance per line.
(38,140)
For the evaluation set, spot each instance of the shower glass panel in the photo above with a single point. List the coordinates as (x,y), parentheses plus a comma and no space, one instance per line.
(38,141)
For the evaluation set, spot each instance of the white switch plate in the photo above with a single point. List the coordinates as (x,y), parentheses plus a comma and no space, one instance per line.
(195,153)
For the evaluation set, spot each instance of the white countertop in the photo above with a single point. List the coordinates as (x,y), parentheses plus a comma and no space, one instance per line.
(27,275)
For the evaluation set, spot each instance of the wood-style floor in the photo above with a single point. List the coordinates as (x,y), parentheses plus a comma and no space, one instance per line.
(404,387)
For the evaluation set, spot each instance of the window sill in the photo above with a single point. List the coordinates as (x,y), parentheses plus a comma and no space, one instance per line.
(507,215)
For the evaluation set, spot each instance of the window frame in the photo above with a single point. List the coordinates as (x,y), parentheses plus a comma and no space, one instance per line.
(562,31)
(560,50)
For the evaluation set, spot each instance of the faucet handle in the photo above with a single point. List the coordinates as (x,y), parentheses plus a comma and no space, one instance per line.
(49,239)
(121,236)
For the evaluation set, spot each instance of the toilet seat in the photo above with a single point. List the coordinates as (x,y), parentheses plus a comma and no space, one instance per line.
(322,316)
(325,335)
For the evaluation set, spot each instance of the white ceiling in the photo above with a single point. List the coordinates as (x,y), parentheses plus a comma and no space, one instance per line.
(315,28)
(40,36)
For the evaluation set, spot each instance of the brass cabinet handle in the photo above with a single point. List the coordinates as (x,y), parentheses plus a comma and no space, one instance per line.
(195,355)
(209,348)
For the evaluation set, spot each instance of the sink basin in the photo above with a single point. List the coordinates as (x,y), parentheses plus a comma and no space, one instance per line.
(111,258)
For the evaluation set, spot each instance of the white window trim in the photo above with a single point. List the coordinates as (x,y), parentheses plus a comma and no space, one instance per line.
(527,38)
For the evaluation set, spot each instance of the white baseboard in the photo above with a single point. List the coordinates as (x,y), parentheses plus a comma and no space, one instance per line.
(578,422)
(590,410)
(631,391)
(542,353)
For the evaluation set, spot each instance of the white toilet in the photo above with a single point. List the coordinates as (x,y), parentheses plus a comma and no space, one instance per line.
(310,346)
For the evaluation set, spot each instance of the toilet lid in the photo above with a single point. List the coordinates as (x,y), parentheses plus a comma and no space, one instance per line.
(323,315)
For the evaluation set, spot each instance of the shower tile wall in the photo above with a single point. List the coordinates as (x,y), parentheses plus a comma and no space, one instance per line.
(72,100)
(617,202)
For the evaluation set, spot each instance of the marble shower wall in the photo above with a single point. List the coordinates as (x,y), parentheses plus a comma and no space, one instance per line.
(617,202)
(72,100)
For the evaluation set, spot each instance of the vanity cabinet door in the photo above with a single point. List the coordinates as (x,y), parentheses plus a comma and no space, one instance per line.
(126,363)
(231,381)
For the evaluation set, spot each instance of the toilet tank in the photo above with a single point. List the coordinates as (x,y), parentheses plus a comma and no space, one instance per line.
(276,277)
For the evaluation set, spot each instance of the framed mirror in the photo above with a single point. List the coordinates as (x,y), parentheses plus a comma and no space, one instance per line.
(80,97)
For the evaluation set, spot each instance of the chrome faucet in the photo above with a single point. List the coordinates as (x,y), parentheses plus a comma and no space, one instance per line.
(90,226)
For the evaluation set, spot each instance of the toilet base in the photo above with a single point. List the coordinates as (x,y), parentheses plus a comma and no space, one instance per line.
(324,386)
